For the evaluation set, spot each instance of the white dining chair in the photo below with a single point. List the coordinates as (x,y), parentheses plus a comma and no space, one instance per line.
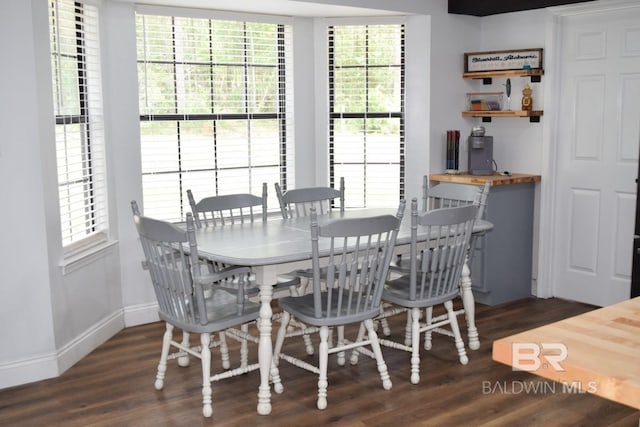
(350,262)
(433,277)
(171,256)
(442,195)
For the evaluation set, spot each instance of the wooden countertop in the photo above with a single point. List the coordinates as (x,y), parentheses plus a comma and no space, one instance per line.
(596,352)
(495,179)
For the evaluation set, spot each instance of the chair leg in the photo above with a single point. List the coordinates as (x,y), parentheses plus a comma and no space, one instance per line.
(323,354)
(205,357)
(308,344)
(462,354)
(282,333)
(407,330)
(341,358)
(415,348)
(224,350)
(428,335)
(359,338)
(244,349)
(375,346)
(386,329)
(184,360)
(164,353)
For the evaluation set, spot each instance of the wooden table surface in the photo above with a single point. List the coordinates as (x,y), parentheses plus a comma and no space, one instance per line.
(495,179)
(602,352)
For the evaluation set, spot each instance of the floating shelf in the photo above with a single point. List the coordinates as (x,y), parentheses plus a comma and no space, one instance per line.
(534,116)
(486,76)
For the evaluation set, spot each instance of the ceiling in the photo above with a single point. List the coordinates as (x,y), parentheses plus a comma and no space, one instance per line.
(309,8)
(305,8)
(493,7)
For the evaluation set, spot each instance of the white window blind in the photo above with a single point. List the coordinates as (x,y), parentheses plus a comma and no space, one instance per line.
(366,112)
(79,129)
(215,102)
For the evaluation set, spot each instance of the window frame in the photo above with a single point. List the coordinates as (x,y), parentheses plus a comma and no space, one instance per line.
(90,121)
(283,113)
(333,115)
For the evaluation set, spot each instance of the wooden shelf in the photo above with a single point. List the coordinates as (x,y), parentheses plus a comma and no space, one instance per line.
(534,116)
(487,75)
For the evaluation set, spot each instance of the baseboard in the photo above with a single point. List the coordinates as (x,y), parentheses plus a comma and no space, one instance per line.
(53,364)
(28,370)
(140,314)
(84,344)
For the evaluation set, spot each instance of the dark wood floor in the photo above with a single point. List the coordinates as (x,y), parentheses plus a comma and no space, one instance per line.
(113,386)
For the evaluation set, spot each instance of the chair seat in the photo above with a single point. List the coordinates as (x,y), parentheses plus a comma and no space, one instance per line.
(397,292)
(222,313)
(302,309)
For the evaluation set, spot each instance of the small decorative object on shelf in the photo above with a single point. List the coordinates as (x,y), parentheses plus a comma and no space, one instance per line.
(527,100)
(453,152)
(508,91)
(484,101)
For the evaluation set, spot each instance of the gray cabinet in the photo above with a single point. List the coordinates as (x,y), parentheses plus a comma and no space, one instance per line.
(501,268)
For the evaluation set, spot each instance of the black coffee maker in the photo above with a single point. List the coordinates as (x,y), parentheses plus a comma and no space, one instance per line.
(480,152)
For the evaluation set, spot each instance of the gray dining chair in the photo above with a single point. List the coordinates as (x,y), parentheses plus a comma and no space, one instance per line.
(442,195)
(229,209)
(298,202)
(453,194)
(433,277)
(351,258)
(225,210)
(171,256)
(217,211)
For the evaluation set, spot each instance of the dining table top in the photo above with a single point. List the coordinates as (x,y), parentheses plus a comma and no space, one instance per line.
(286,240)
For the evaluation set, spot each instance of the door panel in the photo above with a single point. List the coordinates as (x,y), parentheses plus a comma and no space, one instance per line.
(597,156)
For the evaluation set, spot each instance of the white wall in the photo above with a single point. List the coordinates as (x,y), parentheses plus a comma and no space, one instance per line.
(517,144)
(123,127)
(28,344)
(50,319)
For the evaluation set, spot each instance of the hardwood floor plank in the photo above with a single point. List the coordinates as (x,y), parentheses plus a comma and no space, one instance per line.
(114,386)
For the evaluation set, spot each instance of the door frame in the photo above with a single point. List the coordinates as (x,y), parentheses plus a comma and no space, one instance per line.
(546,250)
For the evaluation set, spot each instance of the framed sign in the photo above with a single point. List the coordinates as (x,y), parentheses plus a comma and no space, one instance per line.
(500,60)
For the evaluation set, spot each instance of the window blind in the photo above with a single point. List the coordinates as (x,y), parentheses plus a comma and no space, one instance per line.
(366,112)
(216,102)
(79,129)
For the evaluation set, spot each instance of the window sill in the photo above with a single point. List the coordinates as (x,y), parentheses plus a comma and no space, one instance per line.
(85,257)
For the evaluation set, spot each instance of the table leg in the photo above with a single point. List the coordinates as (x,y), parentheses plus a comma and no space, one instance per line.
(469,306)
(265,349)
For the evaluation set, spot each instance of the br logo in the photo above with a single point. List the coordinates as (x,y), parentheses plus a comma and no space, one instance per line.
(531,356)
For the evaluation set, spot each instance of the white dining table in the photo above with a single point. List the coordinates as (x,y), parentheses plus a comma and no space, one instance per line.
(280,246)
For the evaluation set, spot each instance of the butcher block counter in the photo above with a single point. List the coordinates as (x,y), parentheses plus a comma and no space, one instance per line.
(502,264)
(596,352)
(495,179)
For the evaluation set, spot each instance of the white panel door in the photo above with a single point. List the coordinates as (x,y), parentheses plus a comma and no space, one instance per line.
(597,155)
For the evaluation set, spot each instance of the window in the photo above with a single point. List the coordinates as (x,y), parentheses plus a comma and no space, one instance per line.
(214,99)
(79,129)
(366,112)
